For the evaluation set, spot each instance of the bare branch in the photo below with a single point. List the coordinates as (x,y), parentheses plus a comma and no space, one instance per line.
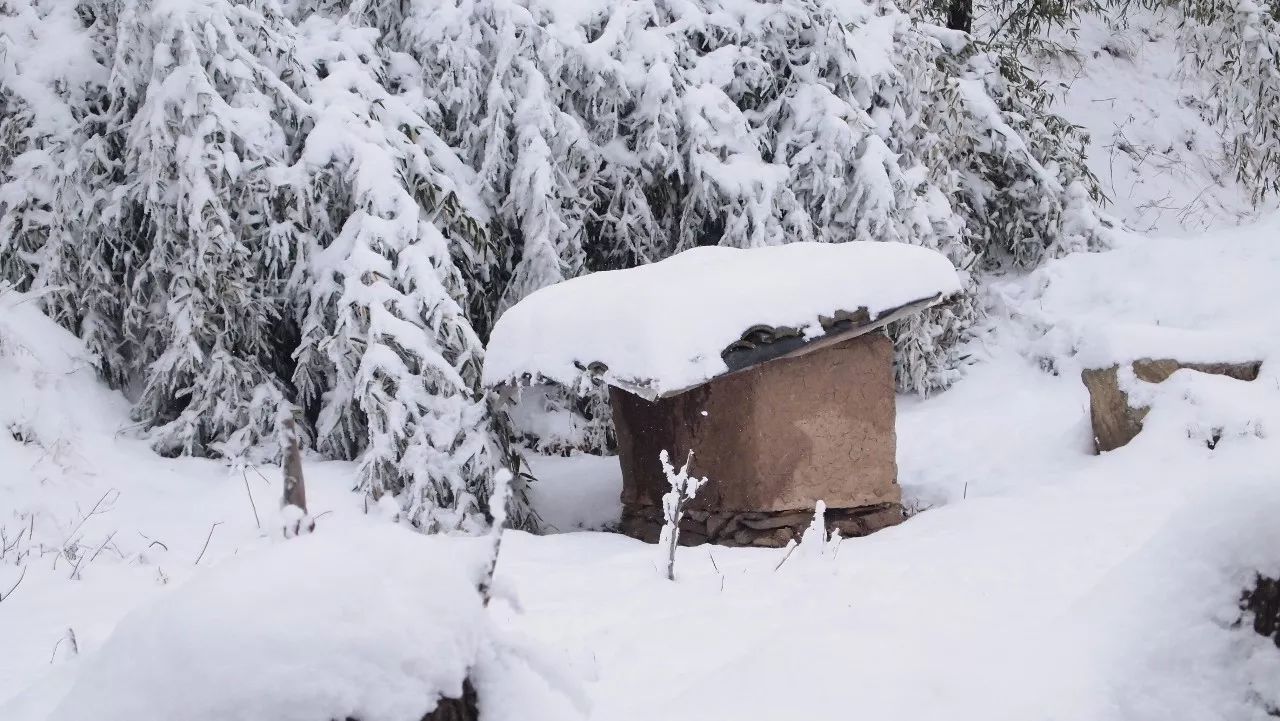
(152,541)
(252,505)
(259,474)
(69,636)
(97,509)
(70,543)
(4,596)
(791,547)
(206,542)
(75,571)
(102,546)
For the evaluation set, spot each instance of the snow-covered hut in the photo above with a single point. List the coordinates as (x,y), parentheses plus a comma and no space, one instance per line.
(762,362)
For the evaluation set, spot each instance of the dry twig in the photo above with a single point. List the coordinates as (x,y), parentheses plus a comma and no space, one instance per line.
(5,596)
(69,636)
(791,547)
(252,505)
(206,542)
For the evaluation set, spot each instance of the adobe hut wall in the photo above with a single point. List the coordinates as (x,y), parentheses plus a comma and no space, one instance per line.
(773,439)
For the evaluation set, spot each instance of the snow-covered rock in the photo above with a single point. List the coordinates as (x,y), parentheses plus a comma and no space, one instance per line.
(661,328)
(365,621)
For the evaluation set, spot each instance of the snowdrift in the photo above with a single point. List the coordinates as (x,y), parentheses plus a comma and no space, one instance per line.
(364,621)
(1166,625)
(373,623)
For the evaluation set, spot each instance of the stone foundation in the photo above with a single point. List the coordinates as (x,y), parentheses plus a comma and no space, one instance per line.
(770,529)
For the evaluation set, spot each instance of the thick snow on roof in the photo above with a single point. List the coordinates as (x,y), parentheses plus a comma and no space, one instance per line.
(661,328)
(374,622)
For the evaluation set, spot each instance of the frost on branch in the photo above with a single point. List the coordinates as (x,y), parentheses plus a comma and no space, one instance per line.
(816,541)
(683,489)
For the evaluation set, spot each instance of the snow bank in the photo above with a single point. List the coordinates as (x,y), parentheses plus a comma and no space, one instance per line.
(1204,300)
(661,328)
(373,622)
(47,379)
(1163,623)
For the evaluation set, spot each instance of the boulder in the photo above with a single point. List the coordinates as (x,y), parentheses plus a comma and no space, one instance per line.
(1115,420)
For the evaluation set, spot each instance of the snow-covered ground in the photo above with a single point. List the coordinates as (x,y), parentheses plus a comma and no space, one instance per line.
(1157,159)
(1040,581)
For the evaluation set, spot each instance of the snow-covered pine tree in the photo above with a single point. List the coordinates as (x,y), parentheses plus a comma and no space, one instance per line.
(1031,28)
(47,75)
(707,127)
(543,199)
(30,180)
(1027,192)
(387,354)
(205,283)
(236,170)
(352,190)
(634,220)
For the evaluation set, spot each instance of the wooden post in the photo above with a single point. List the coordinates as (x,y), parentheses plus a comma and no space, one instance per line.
(295,488)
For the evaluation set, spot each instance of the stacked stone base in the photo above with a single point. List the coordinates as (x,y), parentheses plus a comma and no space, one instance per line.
(768,529)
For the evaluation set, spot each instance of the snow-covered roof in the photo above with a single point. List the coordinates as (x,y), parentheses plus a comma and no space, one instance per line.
(663,328)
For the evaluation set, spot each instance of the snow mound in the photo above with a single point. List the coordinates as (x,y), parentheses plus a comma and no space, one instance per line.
(1193,300)
(1165,625)
(48,383)
(661,328)
(373,622)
